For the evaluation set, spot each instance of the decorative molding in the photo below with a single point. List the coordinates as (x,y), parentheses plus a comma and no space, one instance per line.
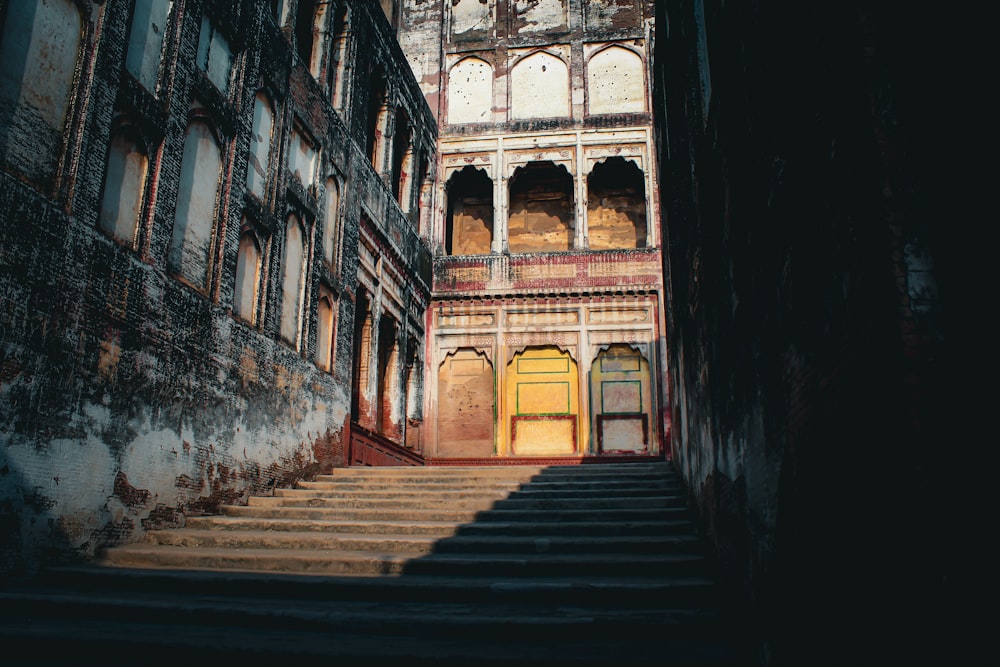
(454,163)
(455,320)
(620,315)
(539,318)
(565,156)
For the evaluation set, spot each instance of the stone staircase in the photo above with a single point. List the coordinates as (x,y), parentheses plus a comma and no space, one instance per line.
(500,565)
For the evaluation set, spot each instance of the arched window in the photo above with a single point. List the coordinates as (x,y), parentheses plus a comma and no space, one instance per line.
(377,112)
(39,46)
(145,42)
(470,92)
(402,157)
(260,145)
(124,184)
(339,49)
(214,55)
(194,219)
(331,222)
(615,83)
(539,87)
(302,161)
(324,329)
(361,379)
(387,382)
(292,265)
(247,278)
(304,25)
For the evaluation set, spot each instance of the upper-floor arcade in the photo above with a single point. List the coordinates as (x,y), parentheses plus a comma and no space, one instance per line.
(573,191)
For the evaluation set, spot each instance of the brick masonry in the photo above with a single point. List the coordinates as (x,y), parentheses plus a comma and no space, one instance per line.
(129,398)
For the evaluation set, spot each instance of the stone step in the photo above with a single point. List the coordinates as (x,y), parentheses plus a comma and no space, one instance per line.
(460,494)
(442,475)
(455,515)
(344,484)
(367,563)
(445,528)
(422,544)
(74,641)
(481,503)
(556,567)
(441,619)
(162,618)
(653,591)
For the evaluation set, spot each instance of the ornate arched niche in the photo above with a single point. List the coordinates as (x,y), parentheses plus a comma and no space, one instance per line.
(465,410)
(543,403)
(621,401)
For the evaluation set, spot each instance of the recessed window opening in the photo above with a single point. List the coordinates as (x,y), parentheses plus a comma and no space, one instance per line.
(469,223)
(616,205)
(541,209)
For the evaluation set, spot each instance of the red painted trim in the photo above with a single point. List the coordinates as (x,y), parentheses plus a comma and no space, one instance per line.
(367,448)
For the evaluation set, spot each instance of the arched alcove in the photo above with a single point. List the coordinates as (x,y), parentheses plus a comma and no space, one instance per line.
(260,145)
(542,213)
(465,413)
(292,269)
(470,92)
(615,82)
(621,401)
(124,186)
(539,87)
(543,403)
(248,262)
(39,47)
(194,217)
(616,206)
(469,223)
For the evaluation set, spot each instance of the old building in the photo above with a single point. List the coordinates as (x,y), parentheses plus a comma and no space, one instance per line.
(546,334)
(210,219)
(242,243)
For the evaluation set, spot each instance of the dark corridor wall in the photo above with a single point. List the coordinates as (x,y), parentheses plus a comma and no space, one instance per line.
(805,317)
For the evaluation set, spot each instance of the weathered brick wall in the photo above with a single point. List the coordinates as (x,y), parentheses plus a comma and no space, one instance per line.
(805,319)
(129,399)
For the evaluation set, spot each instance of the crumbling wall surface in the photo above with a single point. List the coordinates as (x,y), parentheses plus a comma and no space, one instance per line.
(131,397)
(805,320)
(127,400)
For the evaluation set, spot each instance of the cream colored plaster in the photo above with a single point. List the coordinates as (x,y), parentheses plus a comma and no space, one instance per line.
(540,15)
(535,318)
(615,82)
(471,18)
(470,92)
(539,87)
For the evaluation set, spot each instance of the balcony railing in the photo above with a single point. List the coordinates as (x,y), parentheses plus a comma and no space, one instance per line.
(566,272)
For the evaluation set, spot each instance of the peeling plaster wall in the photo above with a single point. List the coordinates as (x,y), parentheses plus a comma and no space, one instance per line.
(131,398)
(438,35)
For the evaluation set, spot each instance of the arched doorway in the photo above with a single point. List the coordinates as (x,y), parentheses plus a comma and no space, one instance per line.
(543,403)
(621,400)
